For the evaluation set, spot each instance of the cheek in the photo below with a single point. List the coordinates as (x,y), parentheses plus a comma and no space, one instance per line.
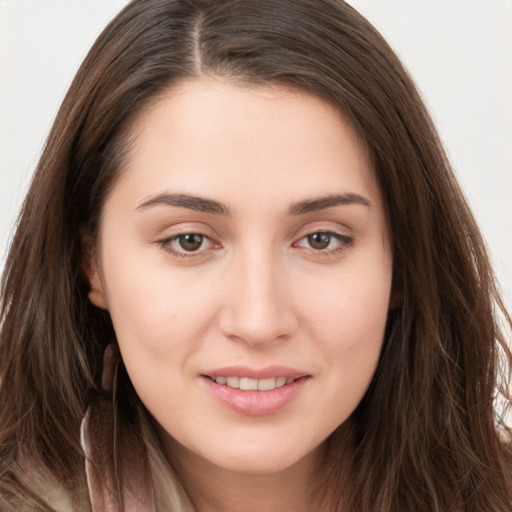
(160,319)
(350,309)
(155,309)
(348,320)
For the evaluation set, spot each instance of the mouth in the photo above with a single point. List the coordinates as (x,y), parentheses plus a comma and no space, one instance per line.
(249,384)
(256,392)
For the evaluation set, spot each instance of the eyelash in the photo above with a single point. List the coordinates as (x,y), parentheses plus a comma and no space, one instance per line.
(345,242)
(166,244)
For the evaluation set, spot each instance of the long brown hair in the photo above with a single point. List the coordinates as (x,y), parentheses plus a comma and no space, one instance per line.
(427,436)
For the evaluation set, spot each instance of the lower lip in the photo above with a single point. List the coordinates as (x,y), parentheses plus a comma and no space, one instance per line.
(256,403)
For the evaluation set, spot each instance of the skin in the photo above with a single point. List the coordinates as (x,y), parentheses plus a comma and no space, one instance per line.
(256,292)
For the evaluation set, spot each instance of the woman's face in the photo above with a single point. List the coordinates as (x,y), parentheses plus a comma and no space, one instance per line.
(245,261)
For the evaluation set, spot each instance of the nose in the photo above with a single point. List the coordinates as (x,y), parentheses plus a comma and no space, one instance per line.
(259,309)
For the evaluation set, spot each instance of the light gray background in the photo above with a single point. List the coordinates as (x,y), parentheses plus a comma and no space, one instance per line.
(458,51)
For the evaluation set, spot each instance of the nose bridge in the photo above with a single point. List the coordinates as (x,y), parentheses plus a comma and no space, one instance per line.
(259,310)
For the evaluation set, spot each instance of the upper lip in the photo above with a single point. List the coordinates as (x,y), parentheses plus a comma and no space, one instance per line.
(256,373)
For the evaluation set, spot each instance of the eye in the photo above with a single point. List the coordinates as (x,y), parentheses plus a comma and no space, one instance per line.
(325,241)
(319,241)
(190,241)
(187,244)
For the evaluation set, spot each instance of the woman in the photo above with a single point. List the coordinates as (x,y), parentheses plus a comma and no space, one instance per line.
(245,270)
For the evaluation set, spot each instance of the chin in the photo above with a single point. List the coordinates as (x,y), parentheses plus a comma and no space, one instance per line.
(261,465)
(261,460)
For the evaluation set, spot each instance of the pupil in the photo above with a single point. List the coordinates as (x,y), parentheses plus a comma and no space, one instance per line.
(319,240)
(190,242)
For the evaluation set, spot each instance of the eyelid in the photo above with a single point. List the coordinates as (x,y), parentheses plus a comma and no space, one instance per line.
(345,241)
(165,242)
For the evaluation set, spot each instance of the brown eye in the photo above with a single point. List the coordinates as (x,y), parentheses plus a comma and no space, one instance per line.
(325,243)
(190,242)
(188,245)
(319,240)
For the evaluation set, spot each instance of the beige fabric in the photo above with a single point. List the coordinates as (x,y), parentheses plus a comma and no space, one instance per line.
(147,481)
(136,493)
(169,496)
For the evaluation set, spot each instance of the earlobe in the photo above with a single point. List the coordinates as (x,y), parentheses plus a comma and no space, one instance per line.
(97,297)
(96,293)
(90,268)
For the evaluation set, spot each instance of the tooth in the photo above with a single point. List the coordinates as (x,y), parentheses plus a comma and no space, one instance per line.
(248,384)
(266,384)
(280,382)
(233,382)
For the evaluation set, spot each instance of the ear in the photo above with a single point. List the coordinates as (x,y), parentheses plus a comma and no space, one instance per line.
(90,268)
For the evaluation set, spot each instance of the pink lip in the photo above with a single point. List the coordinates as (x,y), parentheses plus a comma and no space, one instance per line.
(256,403)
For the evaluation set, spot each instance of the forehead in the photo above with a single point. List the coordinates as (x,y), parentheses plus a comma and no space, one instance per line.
(213,134)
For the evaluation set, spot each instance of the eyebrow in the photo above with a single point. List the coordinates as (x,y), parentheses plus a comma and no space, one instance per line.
(199,204)
(202,204)
(322,203)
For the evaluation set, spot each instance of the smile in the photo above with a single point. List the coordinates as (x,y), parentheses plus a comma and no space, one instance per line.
(248,384)
(256,392)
